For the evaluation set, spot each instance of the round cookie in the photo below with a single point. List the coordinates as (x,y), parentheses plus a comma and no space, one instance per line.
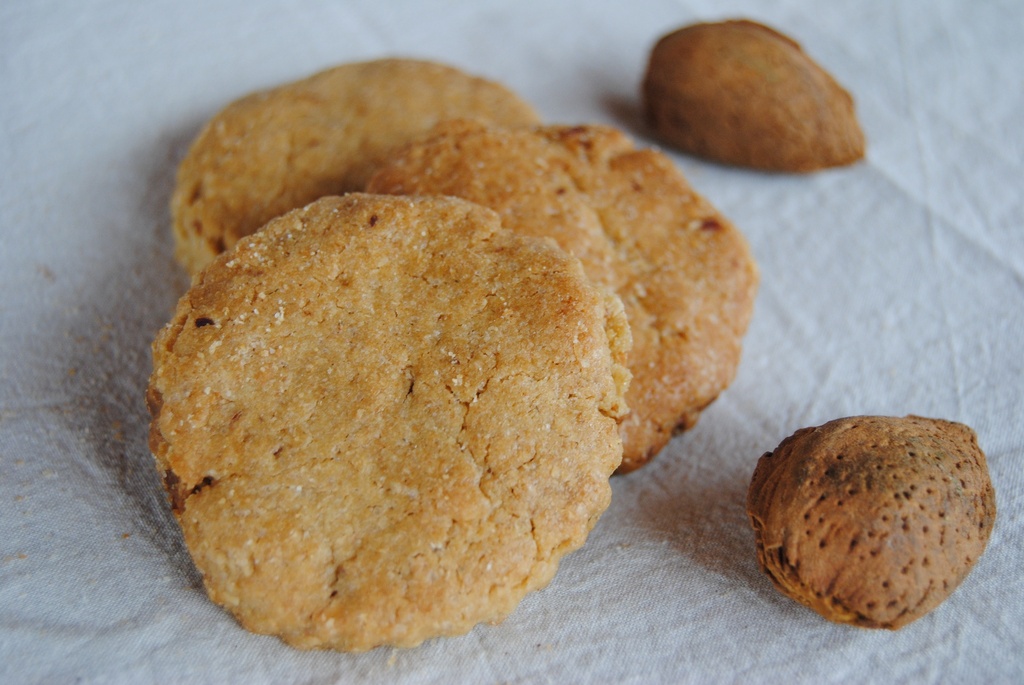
(684,273)
(384,419)
(279,149)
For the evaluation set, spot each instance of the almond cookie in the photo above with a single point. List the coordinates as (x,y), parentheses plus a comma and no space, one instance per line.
(279,149)
(684,273)
(741,93)
(872,520)
(383,419)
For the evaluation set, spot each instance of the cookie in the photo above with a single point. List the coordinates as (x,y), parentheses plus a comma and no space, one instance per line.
(279,149)
(741,93)
(384,419)
(872,520)
(684,273)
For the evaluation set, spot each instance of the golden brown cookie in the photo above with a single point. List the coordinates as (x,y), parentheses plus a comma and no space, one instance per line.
(872,520)
(741,93)
(279,149)
(384,419)
(684,273)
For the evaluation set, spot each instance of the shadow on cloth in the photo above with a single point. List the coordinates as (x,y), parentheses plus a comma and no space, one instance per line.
(694,496)
(114,325)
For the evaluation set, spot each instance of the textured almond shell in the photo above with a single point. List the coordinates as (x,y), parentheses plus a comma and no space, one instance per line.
(872,521)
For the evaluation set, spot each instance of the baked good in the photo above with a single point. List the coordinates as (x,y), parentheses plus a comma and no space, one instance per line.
(279,149)
(684,272)
(384,419)
(742,93)
(872,520)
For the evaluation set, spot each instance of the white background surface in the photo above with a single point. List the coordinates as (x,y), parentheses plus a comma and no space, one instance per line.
(894,286)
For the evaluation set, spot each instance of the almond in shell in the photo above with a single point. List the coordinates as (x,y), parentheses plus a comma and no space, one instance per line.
(741,93)
(872,521)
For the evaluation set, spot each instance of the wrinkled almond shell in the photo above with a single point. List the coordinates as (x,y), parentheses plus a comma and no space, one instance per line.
(872,521)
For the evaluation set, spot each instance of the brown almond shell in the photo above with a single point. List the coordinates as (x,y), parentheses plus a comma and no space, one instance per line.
(741,93)
(872,521)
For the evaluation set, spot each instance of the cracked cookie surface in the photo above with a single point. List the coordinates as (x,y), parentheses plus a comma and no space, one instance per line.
(281,148)
(685,274)
(384,419)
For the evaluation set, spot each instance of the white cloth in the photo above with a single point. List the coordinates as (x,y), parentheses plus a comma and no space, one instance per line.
(894,286)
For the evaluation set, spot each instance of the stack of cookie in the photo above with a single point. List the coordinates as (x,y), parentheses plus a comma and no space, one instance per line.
(393,397)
